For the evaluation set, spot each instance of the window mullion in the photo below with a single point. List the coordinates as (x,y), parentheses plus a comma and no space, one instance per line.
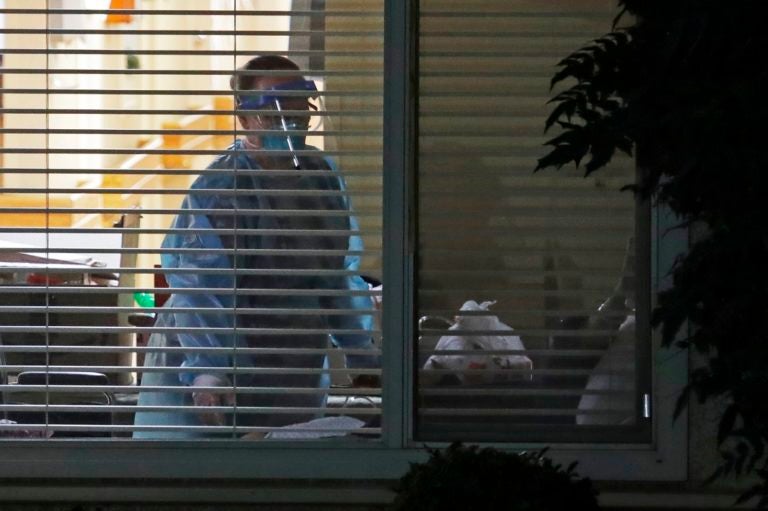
(399,115)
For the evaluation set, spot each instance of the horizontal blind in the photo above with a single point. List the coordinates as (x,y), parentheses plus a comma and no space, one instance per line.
(527,284)
(265,324)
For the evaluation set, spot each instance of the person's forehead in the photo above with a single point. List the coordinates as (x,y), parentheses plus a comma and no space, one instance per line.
(267,82)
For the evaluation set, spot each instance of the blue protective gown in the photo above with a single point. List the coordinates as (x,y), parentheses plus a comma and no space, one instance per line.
(219,192)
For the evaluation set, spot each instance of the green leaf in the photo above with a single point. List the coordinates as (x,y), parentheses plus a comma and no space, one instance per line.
(742,450)
(558,157)
(682,401)
(566,108)
(578,66)
(726,423)
(618,17)
(601,155)
(625,145)
(716,474)
(759,452)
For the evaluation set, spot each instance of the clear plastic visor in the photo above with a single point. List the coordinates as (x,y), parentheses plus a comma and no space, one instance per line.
(285,106)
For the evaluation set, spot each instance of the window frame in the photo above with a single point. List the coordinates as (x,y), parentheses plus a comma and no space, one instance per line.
(161,464)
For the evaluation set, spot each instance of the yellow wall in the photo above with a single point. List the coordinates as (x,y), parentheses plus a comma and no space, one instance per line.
(363,172)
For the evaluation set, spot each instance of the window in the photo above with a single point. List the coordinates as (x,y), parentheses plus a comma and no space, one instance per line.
(554,255)
(129,109)
(112,110)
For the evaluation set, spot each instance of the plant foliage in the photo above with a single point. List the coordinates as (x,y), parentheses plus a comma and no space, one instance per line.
(467,477)
(682,85)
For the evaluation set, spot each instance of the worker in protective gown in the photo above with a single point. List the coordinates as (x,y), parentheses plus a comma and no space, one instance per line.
(281,283)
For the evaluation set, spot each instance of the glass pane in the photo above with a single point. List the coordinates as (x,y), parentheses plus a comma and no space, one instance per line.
(527,284)
(190,247)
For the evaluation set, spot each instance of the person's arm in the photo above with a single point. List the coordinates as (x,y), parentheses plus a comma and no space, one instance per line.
(197,251)
(362,303)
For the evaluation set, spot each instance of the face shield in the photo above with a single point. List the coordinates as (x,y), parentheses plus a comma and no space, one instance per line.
(280,111)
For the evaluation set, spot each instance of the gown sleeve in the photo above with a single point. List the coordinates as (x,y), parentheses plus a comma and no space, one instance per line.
(195,252)
(362,322)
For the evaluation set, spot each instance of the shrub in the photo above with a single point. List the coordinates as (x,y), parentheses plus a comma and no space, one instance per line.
(471,478)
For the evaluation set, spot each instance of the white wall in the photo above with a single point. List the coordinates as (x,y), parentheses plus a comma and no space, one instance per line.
(59,82)
(14,81)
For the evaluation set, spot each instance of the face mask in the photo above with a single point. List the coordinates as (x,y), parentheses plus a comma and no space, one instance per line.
(281,142)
